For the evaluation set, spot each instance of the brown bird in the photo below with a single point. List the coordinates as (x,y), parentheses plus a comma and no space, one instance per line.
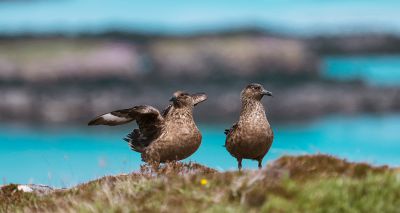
(161,137)
(252,136)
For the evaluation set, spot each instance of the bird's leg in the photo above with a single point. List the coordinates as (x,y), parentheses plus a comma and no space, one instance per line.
(239,163)
(155,166)
(259,163)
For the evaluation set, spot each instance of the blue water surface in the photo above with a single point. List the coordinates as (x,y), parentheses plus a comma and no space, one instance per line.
(64,157)
(179,16)
(377,70)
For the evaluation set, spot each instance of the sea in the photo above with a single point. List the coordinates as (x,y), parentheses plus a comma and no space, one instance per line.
(64,157)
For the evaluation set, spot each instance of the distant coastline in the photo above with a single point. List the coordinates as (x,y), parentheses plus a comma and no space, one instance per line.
(95,73)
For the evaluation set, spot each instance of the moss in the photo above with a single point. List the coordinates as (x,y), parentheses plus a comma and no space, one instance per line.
(290,184)
(306,166)
(374,193)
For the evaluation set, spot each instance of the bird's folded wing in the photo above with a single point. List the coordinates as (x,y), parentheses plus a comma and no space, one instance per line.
(142,114)
(227,131)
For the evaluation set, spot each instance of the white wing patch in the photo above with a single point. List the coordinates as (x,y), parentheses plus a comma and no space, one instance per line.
(113,118)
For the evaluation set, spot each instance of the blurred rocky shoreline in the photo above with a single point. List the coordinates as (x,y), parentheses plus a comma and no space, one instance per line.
(70,79)
(70,104)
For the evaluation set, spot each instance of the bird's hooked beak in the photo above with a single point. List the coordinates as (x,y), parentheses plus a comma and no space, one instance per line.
(173,99)
(266,92)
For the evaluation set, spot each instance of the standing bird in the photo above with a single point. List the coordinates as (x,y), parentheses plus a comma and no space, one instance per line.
(161,137)
(252,136)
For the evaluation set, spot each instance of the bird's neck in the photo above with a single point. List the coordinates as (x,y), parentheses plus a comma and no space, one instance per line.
(252,110)
(181,113)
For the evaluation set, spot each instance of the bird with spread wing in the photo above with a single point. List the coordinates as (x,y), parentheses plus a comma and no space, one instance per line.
(160,137)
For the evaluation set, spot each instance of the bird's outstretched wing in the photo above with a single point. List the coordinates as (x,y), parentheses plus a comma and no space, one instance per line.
(198,98)
(167,110)
(124,116)
(148,118)
(113,118)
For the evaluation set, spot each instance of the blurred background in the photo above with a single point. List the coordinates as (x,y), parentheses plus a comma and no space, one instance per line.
(333,66)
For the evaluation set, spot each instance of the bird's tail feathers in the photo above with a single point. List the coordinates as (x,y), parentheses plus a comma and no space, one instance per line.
(135,146)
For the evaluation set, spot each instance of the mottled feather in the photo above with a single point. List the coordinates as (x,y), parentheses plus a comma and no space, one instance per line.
(251,137)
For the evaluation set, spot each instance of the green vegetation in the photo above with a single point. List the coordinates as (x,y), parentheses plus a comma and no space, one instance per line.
(317,183)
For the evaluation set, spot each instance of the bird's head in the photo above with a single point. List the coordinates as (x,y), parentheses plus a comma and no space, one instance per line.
(254,91)
(184,99)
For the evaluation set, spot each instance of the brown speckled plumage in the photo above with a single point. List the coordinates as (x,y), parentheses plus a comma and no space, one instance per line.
(161,137)
(251,137)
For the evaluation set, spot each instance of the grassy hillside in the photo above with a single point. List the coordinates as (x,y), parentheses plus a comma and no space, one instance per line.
(315,183)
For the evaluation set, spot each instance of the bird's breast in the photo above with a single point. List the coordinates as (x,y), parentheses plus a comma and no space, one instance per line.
(179,140)
(182,128)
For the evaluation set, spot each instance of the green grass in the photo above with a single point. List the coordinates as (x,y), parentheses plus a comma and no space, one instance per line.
(291,184)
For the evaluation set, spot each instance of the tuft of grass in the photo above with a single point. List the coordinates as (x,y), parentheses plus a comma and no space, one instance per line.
(312,166)
(316,183)
(373,193)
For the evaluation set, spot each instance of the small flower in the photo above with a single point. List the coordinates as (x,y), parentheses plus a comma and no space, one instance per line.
(203,181)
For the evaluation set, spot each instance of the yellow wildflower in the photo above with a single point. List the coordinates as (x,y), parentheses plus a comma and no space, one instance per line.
(203,181)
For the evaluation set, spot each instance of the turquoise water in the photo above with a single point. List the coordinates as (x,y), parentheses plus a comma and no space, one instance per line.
(65,157)
(179,16)
(382,70)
